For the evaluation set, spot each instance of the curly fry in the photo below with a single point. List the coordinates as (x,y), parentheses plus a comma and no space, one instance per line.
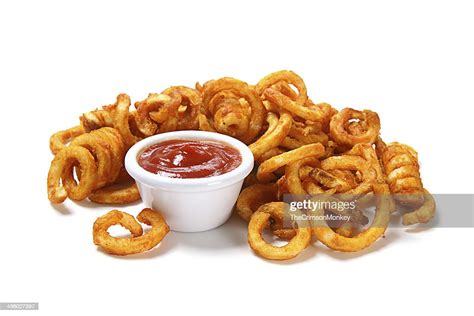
(260,219)
(252,197)
(139,242)
(158,113)
(98,159)
(281,80)
(364,239)
(370,122)
(313,112)
(266,169)
(293,174)
(121,120)
(66,159)
(189,107)
(230,112)
(58,140)
(276,132)
(116,195)
(423,214)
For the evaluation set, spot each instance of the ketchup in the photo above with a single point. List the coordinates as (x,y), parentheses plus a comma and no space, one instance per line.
(189,158)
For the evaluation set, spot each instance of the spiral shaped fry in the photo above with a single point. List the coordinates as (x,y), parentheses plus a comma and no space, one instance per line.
(261,219)
(401,166)
(281,81)
(115,115)
(98,159)
(303,134)
(139,242)
(231,107)
(158,113)
(307,111)
(252,197)
(367,152)
(347,131)
(59,139)
(98,118)
(123,191)
(189,107)
(266,169)
(402,170)
(354,164)
(278,129)
(337,241)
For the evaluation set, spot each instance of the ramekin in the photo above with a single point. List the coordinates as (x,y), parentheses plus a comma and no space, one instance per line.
(190,205)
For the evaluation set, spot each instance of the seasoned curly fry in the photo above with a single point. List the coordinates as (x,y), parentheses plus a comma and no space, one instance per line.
(98,159)
(364,239)
(139,242)
(260,220)
(116,195)
(266,169)
(281,80)
(315,113)
(276,132)
(368,134)
(228,115)
(189,108)
(252,197)
(401,166)
(121,120)
(424,213)
(59,139)
(158,113)
(353,163)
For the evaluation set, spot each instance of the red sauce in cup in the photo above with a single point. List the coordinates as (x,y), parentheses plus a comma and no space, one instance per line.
(181,158)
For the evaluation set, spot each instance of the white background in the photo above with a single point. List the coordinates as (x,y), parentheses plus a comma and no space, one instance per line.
(411,61)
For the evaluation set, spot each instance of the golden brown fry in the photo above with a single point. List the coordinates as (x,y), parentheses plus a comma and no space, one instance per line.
(66,159)
(58,140)
(280,81)
(315,113)
(252,197)
(293,174)
(97,157)
(189,108)
(369,120)
(260,220)
(364,239)
(96,119)
(121,120)
(159,113)
(139,242)
(266,169)
(276,132)
(401,166)
(116,194)
(353,163)
(231,116)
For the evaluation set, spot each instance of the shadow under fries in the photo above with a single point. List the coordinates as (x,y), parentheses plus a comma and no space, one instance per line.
(61,208)
(305,255)
(230,234)
(390,236)
(89,204)
(162,249)
(233,233)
